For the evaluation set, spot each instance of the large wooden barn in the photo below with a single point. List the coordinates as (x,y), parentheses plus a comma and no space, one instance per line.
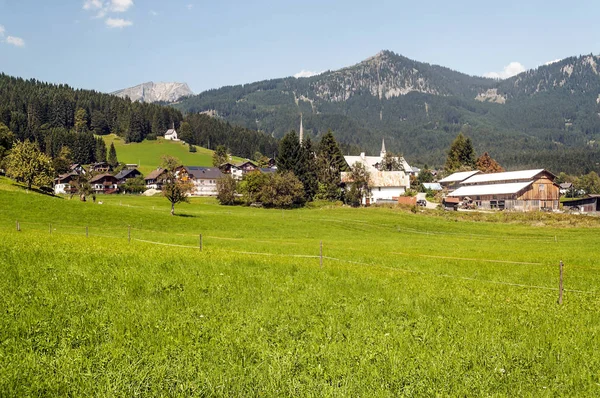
(524,190)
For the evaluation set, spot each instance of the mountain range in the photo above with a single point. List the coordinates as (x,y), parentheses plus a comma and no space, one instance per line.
(155,92)
(545,117)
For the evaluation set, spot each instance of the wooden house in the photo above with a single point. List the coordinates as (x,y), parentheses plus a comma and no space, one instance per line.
(589,204)
(104,183)
(126,174)
(63,183)
(100,167)
(154,179)
(524,190)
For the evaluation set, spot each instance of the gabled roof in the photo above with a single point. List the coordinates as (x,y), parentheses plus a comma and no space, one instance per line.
(101,177)
(154,174)
(204,173)
(240,164)
(506,176)
(66,177)
(460,176)
(171,132)
(491,189)
(371,161)
(126,173)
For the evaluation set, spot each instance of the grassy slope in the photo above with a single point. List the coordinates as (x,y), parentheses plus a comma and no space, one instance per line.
(99,316)
(148,153)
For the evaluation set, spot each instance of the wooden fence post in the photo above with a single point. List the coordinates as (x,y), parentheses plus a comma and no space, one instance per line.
(321,254)
(200,242)
(560,284)
(129,233)
(50,228)
(86,231)
(18,226)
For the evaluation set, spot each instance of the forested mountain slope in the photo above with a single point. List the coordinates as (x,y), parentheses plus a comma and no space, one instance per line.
(546,117)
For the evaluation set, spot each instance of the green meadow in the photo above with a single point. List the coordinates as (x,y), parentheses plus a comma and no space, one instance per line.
(118,299)
(147,154)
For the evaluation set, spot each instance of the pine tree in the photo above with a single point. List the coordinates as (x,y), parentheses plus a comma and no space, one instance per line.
(461,155)
(330,164)
(100,152)
(219,156)
(112,156)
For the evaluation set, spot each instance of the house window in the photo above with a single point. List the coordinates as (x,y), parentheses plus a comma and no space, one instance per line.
(542,187)
(379,188)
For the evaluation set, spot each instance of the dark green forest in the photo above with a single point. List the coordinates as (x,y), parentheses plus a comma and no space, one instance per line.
(57,116)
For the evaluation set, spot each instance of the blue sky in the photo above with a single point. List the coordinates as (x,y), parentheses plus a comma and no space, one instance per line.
(111,44)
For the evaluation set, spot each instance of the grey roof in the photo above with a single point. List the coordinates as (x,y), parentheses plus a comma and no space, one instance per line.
(101,177)
(204,173)
(126,173)
(434,186)
(492,189)
(460,176)
(506,176)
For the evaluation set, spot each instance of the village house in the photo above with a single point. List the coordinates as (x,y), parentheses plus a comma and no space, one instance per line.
(104,183)
(154,179)
(100,167)
(238,170)
(524,190)
(126,174)
(77,169)
(204,179)
(385,185)
(62,184)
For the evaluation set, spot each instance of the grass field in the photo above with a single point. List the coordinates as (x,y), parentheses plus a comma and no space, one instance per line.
(427,304)
(147,154)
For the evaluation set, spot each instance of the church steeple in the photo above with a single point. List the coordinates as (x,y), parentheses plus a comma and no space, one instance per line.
(382,154)
(301,131)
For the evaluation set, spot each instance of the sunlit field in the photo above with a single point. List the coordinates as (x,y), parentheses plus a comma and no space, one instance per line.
(122,299)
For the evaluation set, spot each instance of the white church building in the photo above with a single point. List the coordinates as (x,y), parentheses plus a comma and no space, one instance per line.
(171,134)
(385,185)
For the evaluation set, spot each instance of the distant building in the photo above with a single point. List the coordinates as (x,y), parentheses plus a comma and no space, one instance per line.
(238,170)
(385,185)
(589,204)
(62,184)
(154,179)
(171,134)
(104,183)
(453,181)
(204,179)
(126,174)
(100,167)
(433,186)
(523,190)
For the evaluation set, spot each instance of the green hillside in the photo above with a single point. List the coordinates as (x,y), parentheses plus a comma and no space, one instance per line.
(426,304)
(148,153)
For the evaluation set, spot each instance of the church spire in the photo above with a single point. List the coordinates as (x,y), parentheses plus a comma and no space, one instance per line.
(382,147)
(301,131)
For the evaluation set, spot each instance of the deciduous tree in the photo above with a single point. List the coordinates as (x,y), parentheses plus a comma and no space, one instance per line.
(27,164)
(220,156)
(173,188)
(487,164)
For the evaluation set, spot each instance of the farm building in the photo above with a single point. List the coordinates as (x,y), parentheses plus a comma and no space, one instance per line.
(385,185)
(104,183)
(524,190)
(433,186)
(454,180)
(203,178)
(589,204)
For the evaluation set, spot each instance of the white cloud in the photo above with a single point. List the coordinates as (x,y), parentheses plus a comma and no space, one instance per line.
(118,22)
(92,4)
(306,73)
(15,41)
(190,6)
(153,13)
(120,5)
(514,68)
(2,30)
